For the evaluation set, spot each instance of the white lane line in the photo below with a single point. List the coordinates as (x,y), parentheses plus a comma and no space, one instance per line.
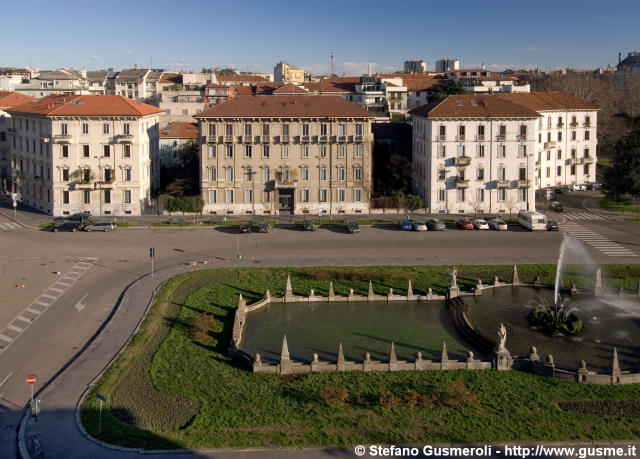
(41,303)
(2,225)
(34,311)
(83,263)
(69,278)
(5,338)
(14,328)
(5,379)
(48,296)
(77,274)
(24,319)
(59,290)
(64,284)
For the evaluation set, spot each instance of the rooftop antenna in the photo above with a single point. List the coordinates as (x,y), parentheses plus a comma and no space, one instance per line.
(332,56)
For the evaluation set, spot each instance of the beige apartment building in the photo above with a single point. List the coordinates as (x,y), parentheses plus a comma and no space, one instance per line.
(83,153)
(8,99)
(286,154)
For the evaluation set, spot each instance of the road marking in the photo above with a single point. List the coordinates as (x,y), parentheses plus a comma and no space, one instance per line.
(33,311)
(5,338)
(598,242)
(41,303)
(56,289)
(80,305)
(2,225)
(63,284)
(48,296)
(14,328)
(583,216)
(22,318)
(5,379)
(69,278)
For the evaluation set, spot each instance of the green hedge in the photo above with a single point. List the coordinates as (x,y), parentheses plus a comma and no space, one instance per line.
(617,408)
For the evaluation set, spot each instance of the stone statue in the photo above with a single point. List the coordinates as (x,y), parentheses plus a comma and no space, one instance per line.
(502,338)
(315,358)
(453,278)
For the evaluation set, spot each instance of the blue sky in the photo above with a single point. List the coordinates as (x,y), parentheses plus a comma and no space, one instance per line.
(254,36)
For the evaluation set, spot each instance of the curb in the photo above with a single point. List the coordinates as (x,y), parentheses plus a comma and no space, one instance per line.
(17,221)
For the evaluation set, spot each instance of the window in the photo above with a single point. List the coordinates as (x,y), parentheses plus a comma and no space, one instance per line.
(247,130)
(127,151)
(586,135)
(305,195)
(462,195)
(461,132)
(305,151)
(342,129)
(107,196)
(85,151)
(573,135)
(522,151)
(127,196)
(481,151)
(65,197)
(212,150)
(502,194)
(65,175)
(323,129)
(358,151)
(359,129)
(247,151)
(341,195)
(305,129)
(248,196)
(285,130)
(523,194)
(502,173)
(212,130)
(126,174)
(323,151)
(229,151)
(323,195)
(442,151)
(559,136)
(559,172)
(228,129)
(357,174)
(503,131)
(86,196)
(229,196)
(125,129)
(323,173)
(107,151)
(480,195)
(573,152)
(461,150)
(65,151)
(522,173)
(212,174)
(229,174)
(502,152)
(265,174)
(341,173)
(586,152)
(108,175)
(481,132)
(443,132)
(285,174)
(573,169)
(105,128)
(63,129)
(480,174)
(442,174)
(586,169)
(212,196)
(265,129)
(248,174)
(305,173)
(587,121)
(559,154)
(85,128)
(357,195)
(285,151)
(441,195)
(548,172)
(340,151)
(265,151)
(523,131)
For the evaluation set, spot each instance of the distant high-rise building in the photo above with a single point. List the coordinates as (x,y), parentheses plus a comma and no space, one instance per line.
(285,73)
(447,63)
(414,66)
(630,64)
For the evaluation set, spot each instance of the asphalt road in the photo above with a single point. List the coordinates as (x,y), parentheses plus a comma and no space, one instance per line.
(49,342)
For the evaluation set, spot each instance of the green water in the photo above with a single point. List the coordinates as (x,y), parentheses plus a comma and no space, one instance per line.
(360,326)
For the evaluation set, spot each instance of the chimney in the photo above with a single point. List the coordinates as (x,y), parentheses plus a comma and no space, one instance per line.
(619,57)
(482,66)
(135,66)
(83,72)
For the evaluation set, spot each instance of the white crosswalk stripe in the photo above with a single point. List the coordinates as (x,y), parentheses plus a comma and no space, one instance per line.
(597,241)
(5,226)
(583,216)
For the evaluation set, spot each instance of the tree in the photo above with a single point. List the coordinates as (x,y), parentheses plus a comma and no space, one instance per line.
(450,87)
(510,203)
(622,179)
(413,202)
(201,325)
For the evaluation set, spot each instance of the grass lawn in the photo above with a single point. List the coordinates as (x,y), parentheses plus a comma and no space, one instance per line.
(615,206)
(175,391)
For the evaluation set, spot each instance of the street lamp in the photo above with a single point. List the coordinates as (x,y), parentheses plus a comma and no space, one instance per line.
(251,173)
(100,184)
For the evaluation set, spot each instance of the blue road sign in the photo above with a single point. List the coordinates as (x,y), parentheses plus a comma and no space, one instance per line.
(101,397)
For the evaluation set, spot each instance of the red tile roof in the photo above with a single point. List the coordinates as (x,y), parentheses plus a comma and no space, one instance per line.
(174,78)
(423,84)
(74,105)
(285,107)
(547,101)
(10,99)
(242,79)
(474,106)
(290,89)
(180,131)
(333,84)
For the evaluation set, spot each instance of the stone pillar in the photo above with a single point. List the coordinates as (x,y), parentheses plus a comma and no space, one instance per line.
(478,289)
(502,360)
(615,368)
(582,372)
(516,278)
(453,290)
(621,292)
(390,294)
(419,362)
(573,289)
(429,294)
(533,354)
(257,363)
(444,356)
(409,291)
(366,365)
(536,280)
(393,361)
(548,366)
(597,289)
(285,360)
(470,359)
(331,293)
(496,281)
(340,362)
(288,293)
(311,295)
(315,363)
(370,294)
(351,295)
(267,295)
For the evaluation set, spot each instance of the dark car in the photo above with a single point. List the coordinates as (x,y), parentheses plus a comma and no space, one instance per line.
(68,226)
(352,227)
(562,190)
(435,225)
(556,206)
(80,217)
(259,226)
(594,186)
(405,225)
(464,224)
(552,225)
(308,225)
(245,227)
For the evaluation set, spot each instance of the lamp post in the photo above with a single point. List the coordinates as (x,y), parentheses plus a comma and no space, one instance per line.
(251,173)
(100,185)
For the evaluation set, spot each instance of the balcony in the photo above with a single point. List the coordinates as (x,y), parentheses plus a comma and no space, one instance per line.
(220,139)
(210,139)
(501,138)
(265,138)
(323,139)
(305,138)
(588,160)
(125,138)
(560,125)
(440,138)
(587,124)
(480,138)
(228,139)
(45,138)
(574,124)
(342,138)
(286,180)
(522,138)
(359,138)
(246,139)
(549,145)
(460,138)
(462,182)
(503,183)
(522,183)
(62,138)
(285,139)
(462,160)
(573,161)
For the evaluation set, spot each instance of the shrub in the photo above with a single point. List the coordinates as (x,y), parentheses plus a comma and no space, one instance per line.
(458,395)
(334,396)
(201,325)
(617,408)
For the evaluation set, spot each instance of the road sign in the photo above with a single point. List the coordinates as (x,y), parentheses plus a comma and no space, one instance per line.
(152,252)
(14,196)
(15,203)
(102,398)
(31,380)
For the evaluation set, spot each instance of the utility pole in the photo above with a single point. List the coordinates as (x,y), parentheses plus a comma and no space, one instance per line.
(152,255)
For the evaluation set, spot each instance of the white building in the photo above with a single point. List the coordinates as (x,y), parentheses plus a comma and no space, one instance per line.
(447,63)
(74,153)
(485,81)
(414,66)
(8,100)
(489,153)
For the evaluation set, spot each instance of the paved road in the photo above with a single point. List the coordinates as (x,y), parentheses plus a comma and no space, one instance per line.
(71,316)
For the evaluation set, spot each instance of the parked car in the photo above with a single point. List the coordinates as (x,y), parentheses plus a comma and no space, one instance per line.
(68,226)
(405,225)
(594,186)
(464,224)
(308,225)
(578,187)
(480,224)
(562,190)
(352,227)
(552,225)
(259,226)
(100,226)
(81,216)
(435,225)
(419,225)
(497,224)
(556,206)
(245,227)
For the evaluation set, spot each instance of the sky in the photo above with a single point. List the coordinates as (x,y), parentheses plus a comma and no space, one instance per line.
(255,35)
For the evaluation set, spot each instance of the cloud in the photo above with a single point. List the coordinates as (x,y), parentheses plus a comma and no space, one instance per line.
(359,68)
(127,52)
(531,49)
(96,58)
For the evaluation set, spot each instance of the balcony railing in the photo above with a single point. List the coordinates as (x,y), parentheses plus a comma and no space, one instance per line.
(501,138)
(460,138)
(480,137)
(305,138)
(61,137)
(285,139)
(462,160)
(324,139)
(560,125)
(246,139)
(440,138)
(587,124)
(359,138)
(342,138)
(548,145)
(228,139)
(522,137)
(503,183)
(523,183)
(588,160)
(286,179)
(265,138)
(462,182)
(126,138)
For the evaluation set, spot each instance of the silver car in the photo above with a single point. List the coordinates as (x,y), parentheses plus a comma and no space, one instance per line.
(100,226)
(419,226)
(480,224)
(497,224)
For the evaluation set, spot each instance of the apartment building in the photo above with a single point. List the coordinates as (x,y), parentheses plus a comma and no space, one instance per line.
(285,73)
(74,153)
(485,81)
(289,154)
(138,84)
(8,99)
(474,153)
(447,63)
(415,66)
(489,153)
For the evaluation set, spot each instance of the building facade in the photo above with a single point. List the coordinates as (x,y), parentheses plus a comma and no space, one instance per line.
(285,73)
(414,66)
(285,154)
(78,153)
(447,63)
(174,139)
(8,99)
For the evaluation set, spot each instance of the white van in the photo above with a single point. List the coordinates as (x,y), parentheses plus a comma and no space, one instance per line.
(533,221)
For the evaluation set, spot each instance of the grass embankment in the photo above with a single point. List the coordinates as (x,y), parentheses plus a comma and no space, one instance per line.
(211,403)
(615,206)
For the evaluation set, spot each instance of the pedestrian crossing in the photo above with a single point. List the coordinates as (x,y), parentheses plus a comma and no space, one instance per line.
(598,242)
(583,216)
(9,226)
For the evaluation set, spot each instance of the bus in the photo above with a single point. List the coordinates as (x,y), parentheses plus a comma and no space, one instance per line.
(533,221)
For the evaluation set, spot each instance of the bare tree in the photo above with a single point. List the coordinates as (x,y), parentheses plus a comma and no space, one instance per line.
(510,203)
